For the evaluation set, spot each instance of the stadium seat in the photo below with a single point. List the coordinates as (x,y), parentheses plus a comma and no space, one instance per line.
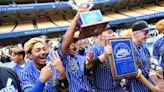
(144,2)
(5,2)
(27,15)
(143,11)
(107,7)
(121,4)
(24,1)
(8,16)
(24,26)
(61,22)
(45,24)
(69,17)
(44,1)
(6,28)
(117,15)
(50,11)
(134,3)
(161,3)
(155,8)
(108,18)
(130,13)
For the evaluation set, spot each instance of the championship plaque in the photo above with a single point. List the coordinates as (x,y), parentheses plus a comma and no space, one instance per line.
(90,23)
(123,62)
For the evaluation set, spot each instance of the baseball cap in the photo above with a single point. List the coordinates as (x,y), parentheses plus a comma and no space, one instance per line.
(76,36)
(112,27)
(141,26)
(44,37)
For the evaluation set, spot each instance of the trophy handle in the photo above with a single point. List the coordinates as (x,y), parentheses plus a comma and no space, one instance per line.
(73,4)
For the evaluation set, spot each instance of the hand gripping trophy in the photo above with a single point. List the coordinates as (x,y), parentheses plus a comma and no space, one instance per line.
(91,21)
(77,4)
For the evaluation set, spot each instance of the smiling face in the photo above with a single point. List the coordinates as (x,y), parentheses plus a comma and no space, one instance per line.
(39,54)
(73,49)
(81,44)
(141,36)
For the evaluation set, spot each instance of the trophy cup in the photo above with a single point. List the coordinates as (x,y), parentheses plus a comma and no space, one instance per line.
(90,23)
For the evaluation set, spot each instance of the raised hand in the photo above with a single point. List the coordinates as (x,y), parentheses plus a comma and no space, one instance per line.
(107,51)
(57,64)
(89,57)
(159,72)
(45,73)
(81,10)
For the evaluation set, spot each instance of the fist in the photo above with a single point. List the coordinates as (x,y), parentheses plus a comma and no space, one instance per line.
(107,50)
(45,73)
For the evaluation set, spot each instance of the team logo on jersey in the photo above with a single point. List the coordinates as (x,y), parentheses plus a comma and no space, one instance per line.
(9,86)
(72,66)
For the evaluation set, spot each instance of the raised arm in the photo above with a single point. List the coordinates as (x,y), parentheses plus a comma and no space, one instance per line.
(68,37)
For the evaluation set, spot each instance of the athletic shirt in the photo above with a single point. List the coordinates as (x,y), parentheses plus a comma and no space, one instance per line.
(103,79)
(74,68)
(158,50)
(9,81)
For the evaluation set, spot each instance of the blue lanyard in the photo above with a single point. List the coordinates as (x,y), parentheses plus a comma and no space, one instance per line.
(141,53)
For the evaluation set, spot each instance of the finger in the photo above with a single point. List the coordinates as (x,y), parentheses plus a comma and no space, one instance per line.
(48,65)
(53,60)
(57,55)
(105,41)
(88,59)
(53,54)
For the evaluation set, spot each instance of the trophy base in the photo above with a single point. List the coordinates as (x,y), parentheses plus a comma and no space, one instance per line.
(93,29)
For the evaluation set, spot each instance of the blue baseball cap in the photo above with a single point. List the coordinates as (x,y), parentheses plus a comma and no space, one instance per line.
(44,37)
(141,26)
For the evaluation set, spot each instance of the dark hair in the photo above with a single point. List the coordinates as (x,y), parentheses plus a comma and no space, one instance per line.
(18,51)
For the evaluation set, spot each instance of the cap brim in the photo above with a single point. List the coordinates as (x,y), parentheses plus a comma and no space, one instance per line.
(148,28)
(75,40)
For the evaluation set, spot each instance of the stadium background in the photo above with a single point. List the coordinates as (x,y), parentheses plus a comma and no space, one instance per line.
(23,19)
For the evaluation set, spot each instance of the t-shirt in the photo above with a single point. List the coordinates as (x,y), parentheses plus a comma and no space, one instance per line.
(9,81)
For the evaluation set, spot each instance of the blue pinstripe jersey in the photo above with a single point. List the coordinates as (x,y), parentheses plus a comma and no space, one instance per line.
(74,67)
(142,59)
(31,75)
(102,74)
(158,50)
(18,69)
(51,54)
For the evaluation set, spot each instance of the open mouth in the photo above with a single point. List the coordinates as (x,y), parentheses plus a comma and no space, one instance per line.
(43,59)
(74,49)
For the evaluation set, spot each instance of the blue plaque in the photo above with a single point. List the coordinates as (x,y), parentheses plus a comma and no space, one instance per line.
(123,60)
